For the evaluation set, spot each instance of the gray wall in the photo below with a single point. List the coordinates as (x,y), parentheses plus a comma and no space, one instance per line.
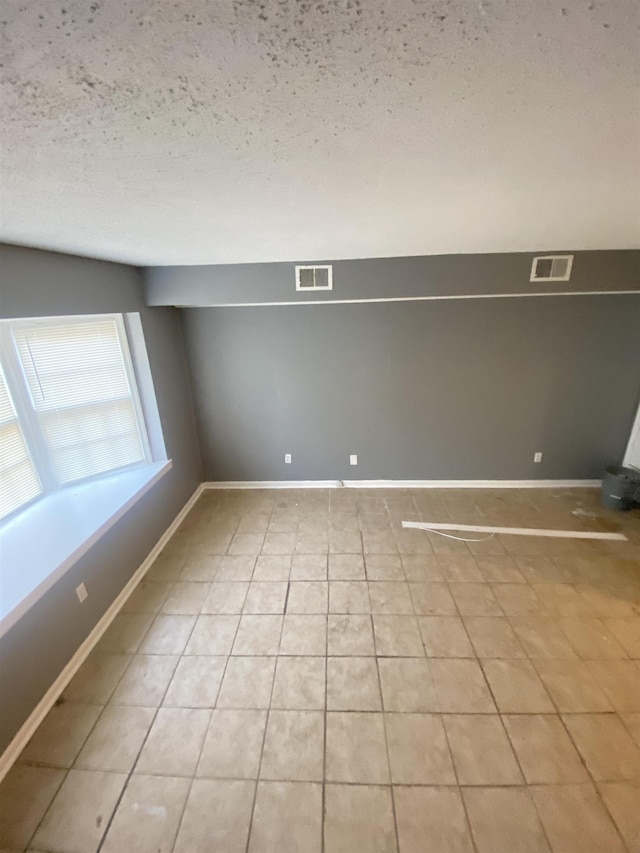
(35,650)
(376,278)
(465,389)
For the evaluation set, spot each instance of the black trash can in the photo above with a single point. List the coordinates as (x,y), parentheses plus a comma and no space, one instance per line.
(620,488)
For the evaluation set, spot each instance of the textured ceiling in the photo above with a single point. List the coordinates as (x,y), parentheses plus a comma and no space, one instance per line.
(221,131)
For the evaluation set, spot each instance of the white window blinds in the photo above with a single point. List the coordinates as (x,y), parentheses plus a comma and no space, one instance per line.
(19,482)
(81,391)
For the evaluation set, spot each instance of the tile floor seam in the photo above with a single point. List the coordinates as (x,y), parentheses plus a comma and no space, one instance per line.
(137,758)
(264,740)
(194,775)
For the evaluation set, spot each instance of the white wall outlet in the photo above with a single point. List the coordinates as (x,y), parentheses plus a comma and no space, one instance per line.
(537,457)
(287,459)
(353,459)
(81,592)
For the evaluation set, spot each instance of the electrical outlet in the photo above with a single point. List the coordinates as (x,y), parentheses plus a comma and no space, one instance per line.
(537,457)
(353,459)
(81,592)
(287,459)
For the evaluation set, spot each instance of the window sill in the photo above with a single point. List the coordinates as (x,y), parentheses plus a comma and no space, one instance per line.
(41,543)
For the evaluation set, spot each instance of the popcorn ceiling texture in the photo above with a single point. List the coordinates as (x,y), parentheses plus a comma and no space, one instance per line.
(261,130)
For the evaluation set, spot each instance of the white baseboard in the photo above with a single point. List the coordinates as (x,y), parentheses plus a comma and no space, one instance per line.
(404,484)
(47,702)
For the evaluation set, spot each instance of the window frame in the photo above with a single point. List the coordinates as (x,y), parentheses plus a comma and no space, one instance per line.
(27,413)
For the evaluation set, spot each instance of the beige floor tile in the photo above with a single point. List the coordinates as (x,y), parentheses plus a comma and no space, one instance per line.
(147,597)
(384,567)
(350,635)
(422,568)
(25,795)
(294,746)
(383,543)
(607,601)
(300,684)
(475,599)
(500,569)
(145,681)
(407,685)
(418,750)
(544,749)
(309,567)
(632,723)
(304,635)
(518,599)
(542,638)
(115,742)
(504,820)
(166,567)
(312,541)
(168,635)
(258,635)
(432,599)
(431,819)
(346,567)
(287,818)
(391,597)
(445,637)
(279,543)
(308,597)
(622,803)
(575,819)
(627,633)
(174,742)
(353,684)
(246,543)
(213,635)
(349,597)
(80,812)
(606,747)
(590,639)
(97,678)
(233,745)
(216,817)
(481,750)
(201,569)
(185,598)
(60,736)
(397,636)
(493,637)
(196,682)
(235,569)
(620,681)
(516,687)
(254,522)
(460,568)
(461,687)
(247,683)
(571,686)
(345,541)
(273,567)
(356,748)
(265,597)
(125,633)
(563,600)
(225,598)
(359,818)
(148,815)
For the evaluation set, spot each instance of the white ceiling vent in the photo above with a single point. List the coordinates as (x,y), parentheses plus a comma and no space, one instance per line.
(314,278)
(551,268)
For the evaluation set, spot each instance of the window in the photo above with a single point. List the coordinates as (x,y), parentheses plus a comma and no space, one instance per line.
(20,483)
(69,405)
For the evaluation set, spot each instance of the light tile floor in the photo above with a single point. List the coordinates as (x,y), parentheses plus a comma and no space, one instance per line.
(298,673)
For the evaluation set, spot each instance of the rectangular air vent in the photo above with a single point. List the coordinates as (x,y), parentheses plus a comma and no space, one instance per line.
(314,278)
(551,268)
